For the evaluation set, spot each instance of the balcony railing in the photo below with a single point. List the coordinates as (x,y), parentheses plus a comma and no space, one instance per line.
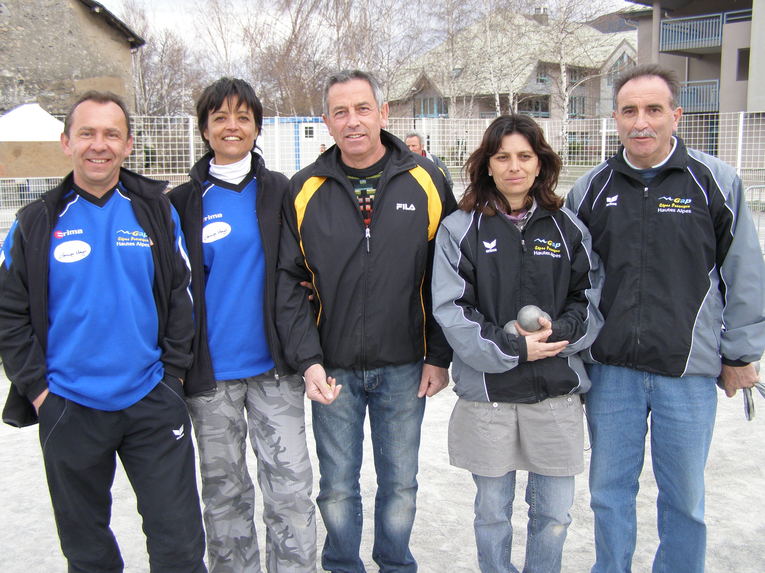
(700,96)
(691,33)
(698,32)
(737,16)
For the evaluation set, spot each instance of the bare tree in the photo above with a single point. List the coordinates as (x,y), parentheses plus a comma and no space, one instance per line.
(219,33)
(290,53)
(284,58)
(486,52)
(397,30)
(569,34)
(165,74)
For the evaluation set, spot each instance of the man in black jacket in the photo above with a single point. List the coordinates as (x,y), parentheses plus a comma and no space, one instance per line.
(360,223)
(95,335)
(684,306)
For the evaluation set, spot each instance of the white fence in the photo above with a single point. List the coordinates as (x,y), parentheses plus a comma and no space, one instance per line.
(167,147)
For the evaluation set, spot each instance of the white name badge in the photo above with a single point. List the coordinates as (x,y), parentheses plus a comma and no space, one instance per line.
(71,251)
(215,231)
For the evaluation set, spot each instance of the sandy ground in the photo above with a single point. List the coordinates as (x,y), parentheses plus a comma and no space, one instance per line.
(443,538)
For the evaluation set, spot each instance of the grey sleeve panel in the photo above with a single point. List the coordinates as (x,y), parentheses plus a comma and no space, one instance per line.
(481,345)
(742,271)
(581,186)
(595,274)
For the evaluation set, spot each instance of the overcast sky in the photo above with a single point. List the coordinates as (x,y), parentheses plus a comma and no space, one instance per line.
(167,13)
(179,14)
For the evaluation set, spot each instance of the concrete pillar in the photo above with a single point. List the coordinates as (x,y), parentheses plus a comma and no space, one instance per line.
(756,87)
(655,32)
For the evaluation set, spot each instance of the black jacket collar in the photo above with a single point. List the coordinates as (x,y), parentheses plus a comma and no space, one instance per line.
(401,159)
(678,160)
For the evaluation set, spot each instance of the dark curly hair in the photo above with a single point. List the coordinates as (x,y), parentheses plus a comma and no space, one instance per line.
(483,195)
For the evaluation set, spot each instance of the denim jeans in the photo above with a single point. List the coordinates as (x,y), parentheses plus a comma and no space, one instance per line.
(682,413)
(395,416)
(549,499)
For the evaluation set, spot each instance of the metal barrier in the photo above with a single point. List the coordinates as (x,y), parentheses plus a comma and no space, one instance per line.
(167,147)
(755,198)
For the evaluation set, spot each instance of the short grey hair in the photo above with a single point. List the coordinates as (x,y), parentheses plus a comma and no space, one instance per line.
(101,97)
(416,134)
(344,76)
(647,70)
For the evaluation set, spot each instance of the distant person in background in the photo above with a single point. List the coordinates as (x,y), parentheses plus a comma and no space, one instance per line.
(416,143)
(511,244)
(322,148)
(230,212)
(95,335)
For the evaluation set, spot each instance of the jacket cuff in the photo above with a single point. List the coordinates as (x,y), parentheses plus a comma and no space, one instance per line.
(438,361)
(737,363)
(36,389)
(174,371)
(305,365)
(523,353)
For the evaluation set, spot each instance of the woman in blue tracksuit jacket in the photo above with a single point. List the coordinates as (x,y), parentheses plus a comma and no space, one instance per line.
(239,383)
(512,244)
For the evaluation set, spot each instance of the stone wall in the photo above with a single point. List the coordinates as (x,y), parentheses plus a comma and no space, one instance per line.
(54,50)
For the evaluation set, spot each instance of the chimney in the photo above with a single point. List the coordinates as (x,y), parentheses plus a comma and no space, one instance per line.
(541,15)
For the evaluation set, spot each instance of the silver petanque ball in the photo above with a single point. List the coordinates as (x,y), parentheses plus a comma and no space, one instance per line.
(510,327)
(528,317)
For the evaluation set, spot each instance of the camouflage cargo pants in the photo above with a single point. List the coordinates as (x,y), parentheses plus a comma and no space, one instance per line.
(271,409)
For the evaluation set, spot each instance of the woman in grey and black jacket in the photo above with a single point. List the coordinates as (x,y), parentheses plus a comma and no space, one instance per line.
(512,244)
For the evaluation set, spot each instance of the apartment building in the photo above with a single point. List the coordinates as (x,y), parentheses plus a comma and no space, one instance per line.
(712,46)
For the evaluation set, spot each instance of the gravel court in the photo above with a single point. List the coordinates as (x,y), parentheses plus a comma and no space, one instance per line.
(443,537)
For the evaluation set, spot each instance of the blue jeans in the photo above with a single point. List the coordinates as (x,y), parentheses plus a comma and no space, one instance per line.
(395,416)
(682,412)
(549,499)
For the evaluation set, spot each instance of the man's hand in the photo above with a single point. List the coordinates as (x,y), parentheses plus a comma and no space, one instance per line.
(433,380)
(735,378)
(318,386)
(308,285)
(37,402)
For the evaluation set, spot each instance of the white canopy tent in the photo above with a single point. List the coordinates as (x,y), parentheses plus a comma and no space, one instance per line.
(30,122)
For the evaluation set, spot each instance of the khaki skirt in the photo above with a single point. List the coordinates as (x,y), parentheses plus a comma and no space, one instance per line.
(493,438)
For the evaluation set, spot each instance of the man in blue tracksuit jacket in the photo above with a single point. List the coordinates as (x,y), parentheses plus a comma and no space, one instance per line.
(684,306)
(95,335)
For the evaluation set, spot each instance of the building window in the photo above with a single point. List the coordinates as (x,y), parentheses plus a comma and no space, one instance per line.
(433,107)
(542,76)
(742,72)
(308,131)
(576,75)
(535,107)
(576,106)
(618,67)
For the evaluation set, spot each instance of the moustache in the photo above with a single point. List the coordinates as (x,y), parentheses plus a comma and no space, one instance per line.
(642,133)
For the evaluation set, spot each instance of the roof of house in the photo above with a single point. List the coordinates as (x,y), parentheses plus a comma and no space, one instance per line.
(485,58)
(133,39)
(687,4)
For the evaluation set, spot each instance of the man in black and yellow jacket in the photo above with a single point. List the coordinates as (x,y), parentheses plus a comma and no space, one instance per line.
(359,224)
